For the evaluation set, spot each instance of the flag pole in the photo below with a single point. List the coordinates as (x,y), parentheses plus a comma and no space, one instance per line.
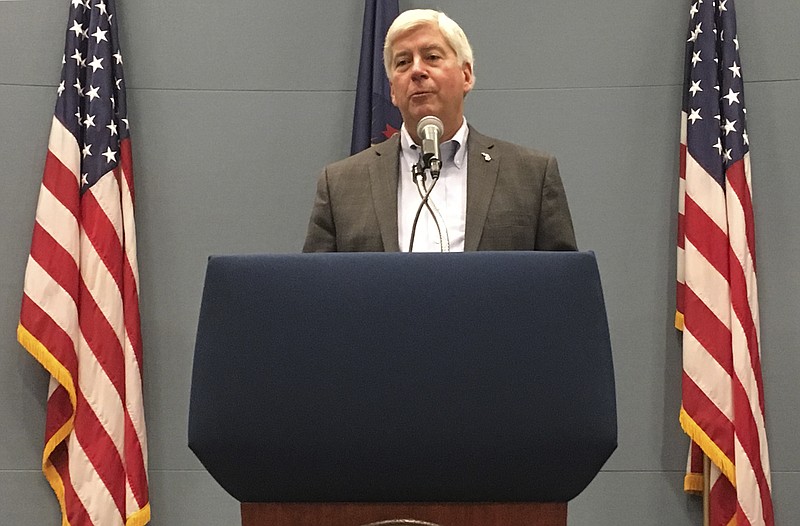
(706,489)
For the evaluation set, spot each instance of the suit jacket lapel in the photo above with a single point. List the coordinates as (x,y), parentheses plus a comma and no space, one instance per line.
(383,174)
(482,167)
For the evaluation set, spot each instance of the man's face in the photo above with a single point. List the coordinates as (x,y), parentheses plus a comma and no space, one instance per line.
(427,79)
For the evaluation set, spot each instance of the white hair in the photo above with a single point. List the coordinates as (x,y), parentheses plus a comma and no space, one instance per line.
(415,18)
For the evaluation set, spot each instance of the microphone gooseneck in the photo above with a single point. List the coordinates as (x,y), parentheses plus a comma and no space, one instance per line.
(430,130)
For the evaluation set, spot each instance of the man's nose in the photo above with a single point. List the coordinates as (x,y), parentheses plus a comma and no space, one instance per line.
(419,69)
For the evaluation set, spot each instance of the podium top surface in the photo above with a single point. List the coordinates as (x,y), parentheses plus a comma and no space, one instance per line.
(403,377)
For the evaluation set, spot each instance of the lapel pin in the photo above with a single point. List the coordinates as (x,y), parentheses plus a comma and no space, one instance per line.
(486,157)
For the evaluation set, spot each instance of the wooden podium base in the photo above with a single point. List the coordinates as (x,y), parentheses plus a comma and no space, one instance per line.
(397,514)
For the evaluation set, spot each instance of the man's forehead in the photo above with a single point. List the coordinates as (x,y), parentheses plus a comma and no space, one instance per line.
(435,40)
(426,46)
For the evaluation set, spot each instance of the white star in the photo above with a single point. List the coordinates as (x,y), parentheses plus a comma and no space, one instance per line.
(78,86)
(100,35)
(696,58)
(118,56)
(96,64)
(730,126)
(102,7)
(693,11)
(89,121)
(113,128)
(77,28)
(93,93)
(718,146)
(695,87)
(726,156)
(736,41)
(85,179)
(63,59)
(736,70)
(117,82)
(112,101)
(127,126)
(87,151)
(697,31)
(78,58)
(76,3)
(746,138)
(110,155)
(732,96)
(722,5)
(110,16)
(61,88)
(695,115)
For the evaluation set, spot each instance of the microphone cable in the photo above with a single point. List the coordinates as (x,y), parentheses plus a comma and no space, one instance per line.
(444,240)
(418,174)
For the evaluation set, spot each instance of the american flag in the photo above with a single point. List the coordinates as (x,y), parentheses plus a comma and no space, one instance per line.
(80,311)
(723,399)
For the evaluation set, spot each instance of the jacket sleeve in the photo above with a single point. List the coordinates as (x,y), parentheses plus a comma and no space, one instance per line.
(321,234)
(555,230)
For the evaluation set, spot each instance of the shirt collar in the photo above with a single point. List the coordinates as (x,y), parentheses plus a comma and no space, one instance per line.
(451,150)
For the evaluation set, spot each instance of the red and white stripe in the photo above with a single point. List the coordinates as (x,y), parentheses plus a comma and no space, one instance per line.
(723,400)
(80,319)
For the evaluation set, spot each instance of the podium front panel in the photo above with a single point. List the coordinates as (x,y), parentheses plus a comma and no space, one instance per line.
(471,377)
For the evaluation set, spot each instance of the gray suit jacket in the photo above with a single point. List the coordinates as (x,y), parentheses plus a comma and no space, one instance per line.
(515,201)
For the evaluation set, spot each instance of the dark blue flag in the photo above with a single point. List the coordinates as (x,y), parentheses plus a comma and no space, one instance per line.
(375,118)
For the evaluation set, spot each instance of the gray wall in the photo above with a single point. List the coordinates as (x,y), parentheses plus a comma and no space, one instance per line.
(222,95)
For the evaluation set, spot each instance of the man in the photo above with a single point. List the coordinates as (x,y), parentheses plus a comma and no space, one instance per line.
(491,195)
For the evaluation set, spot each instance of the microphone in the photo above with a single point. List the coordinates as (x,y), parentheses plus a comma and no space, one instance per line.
(430,130)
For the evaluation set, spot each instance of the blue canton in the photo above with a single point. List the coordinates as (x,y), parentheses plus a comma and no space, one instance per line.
(91,95)
(713,97)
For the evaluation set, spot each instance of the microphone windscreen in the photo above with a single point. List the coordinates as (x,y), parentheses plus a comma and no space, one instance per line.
(430,120)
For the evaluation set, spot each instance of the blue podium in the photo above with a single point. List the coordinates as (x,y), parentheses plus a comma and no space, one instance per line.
(342,389)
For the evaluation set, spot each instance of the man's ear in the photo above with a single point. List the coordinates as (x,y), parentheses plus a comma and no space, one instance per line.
(469,79)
